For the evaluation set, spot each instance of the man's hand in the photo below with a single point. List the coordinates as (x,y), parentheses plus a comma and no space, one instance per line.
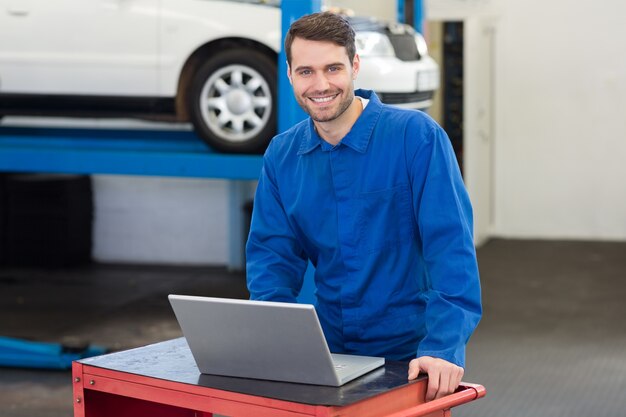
(443,377)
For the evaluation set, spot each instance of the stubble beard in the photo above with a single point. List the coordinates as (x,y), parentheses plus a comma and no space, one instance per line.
(343,106)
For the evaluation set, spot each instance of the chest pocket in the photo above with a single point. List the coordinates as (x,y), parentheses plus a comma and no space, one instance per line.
(385,218)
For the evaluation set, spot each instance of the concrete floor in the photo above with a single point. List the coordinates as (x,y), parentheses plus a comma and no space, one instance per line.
(552,341)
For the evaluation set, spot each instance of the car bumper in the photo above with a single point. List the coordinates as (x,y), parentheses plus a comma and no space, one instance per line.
(405,84)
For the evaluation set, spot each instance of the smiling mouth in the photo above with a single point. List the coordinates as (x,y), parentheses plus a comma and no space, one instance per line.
(323,100)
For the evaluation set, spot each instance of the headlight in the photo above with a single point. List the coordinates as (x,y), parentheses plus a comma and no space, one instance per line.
(373,44)
(422,48)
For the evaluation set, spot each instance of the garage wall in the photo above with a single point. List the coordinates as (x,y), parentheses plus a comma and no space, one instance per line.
(558,115)
(385,10)
(561,129)
(160,220)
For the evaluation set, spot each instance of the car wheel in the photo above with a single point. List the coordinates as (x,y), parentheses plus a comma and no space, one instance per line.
(233,101)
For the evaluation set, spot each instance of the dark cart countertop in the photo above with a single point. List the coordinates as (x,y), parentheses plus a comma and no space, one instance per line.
(172,361)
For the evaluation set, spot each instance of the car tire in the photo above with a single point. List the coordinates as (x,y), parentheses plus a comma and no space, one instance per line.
(232,101)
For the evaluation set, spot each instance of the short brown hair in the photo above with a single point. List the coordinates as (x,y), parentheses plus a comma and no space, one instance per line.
(323,26)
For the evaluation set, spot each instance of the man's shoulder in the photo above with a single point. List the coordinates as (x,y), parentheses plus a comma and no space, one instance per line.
(400,117)
(412,129)
(392,113)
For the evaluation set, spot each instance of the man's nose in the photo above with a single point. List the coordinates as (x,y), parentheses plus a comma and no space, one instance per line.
(321,82)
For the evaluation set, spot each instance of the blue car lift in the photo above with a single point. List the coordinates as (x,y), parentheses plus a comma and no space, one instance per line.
(109,151)
(30,354)
(141,152)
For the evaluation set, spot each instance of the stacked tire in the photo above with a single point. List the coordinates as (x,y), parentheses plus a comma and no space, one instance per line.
(46,220)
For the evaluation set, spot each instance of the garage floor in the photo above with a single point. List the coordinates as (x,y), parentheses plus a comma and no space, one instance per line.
(552,341)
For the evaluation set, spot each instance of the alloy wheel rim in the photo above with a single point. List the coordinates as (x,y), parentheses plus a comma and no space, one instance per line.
(236,103)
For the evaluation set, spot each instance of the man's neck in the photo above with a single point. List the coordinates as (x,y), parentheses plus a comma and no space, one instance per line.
(335,130)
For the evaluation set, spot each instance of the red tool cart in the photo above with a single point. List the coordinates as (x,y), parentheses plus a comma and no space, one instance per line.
(162,380)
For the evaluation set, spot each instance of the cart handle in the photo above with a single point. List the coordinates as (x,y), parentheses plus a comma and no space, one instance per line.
(465,393)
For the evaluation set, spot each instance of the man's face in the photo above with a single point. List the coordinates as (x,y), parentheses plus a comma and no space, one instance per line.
(322,78)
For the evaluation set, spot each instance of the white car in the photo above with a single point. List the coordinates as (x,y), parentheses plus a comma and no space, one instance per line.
(213,63)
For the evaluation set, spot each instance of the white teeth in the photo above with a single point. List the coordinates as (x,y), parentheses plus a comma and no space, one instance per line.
(322,99)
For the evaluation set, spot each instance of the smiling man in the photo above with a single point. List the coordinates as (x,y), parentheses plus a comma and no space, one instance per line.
(373,197)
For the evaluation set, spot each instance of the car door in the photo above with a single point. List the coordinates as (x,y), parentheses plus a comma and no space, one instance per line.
(79,47)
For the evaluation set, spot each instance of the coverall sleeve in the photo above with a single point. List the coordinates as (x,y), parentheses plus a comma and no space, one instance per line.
(444,216)
(275,260)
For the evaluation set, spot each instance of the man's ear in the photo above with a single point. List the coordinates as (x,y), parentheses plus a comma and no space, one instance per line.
(356,65)
(289,73)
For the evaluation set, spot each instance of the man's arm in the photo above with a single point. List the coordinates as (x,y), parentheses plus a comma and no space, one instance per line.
(275,260)
(444,215)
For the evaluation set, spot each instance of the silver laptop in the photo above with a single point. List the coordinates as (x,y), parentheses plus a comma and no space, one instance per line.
(263,340)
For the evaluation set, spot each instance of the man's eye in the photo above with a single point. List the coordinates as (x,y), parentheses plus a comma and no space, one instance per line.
(305,72)
(333,69)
